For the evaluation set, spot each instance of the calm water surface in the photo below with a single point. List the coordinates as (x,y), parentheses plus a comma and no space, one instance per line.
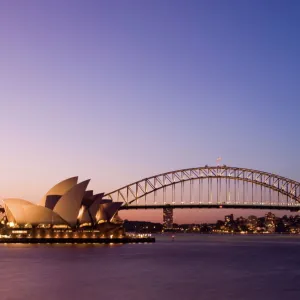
(191,267)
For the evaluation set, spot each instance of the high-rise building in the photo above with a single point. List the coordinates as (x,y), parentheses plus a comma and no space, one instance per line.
(168,217)
(270,217)
(252,223)
(229,218)
(270,220)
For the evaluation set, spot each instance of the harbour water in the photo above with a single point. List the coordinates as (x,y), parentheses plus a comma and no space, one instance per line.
(190,267)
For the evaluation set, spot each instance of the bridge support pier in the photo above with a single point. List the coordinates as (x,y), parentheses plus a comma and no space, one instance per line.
(168,218)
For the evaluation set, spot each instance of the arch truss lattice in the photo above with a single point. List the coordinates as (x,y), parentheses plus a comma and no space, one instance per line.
(132,194)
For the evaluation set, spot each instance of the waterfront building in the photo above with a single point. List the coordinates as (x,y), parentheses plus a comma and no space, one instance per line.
(229,218)
(252,223)
(168,218)
(66,207)
(270,220)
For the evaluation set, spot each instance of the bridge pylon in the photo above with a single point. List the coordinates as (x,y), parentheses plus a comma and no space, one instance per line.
(168,217)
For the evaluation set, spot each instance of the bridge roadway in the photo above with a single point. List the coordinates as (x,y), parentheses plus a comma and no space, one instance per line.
(291,208)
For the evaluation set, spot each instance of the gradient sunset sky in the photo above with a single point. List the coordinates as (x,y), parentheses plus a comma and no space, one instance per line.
(117,91)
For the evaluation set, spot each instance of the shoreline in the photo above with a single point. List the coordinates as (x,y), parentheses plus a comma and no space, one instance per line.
(76,240)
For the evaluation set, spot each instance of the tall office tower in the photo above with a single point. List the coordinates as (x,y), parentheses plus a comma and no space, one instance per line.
(168,218)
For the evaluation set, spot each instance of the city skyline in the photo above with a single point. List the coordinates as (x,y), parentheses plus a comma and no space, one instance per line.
(119,91)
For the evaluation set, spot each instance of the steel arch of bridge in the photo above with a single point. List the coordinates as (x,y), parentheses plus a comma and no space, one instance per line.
(130,194)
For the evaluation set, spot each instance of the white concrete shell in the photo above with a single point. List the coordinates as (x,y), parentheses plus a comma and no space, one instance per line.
(9,215)
(111,209)
(24,212)
(69,204)
(89,194)
(36,215)
(85,217)
(107,211)
(89,213)
(51,201)
(98,196)
(100,210)
(60,188)
(14,209)
(95,207)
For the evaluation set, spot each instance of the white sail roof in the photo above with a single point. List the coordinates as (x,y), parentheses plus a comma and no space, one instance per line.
(60,189)
(23,212)
(69,204)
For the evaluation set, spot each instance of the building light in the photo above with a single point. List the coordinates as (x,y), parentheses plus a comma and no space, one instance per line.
(11,224)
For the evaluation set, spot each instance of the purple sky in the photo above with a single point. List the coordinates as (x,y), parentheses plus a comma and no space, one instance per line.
(120,90)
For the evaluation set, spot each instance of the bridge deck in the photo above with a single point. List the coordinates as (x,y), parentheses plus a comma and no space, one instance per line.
(215,206)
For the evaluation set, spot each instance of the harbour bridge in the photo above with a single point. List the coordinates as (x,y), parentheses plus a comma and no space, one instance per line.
(210,187)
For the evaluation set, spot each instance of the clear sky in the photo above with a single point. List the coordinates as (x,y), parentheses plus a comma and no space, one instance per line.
(117,91)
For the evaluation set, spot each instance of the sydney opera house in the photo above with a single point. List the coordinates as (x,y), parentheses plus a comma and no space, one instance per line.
(66,207)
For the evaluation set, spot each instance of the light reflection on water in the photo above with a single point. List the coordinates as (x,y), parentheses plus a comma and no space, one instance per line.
(191,267)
